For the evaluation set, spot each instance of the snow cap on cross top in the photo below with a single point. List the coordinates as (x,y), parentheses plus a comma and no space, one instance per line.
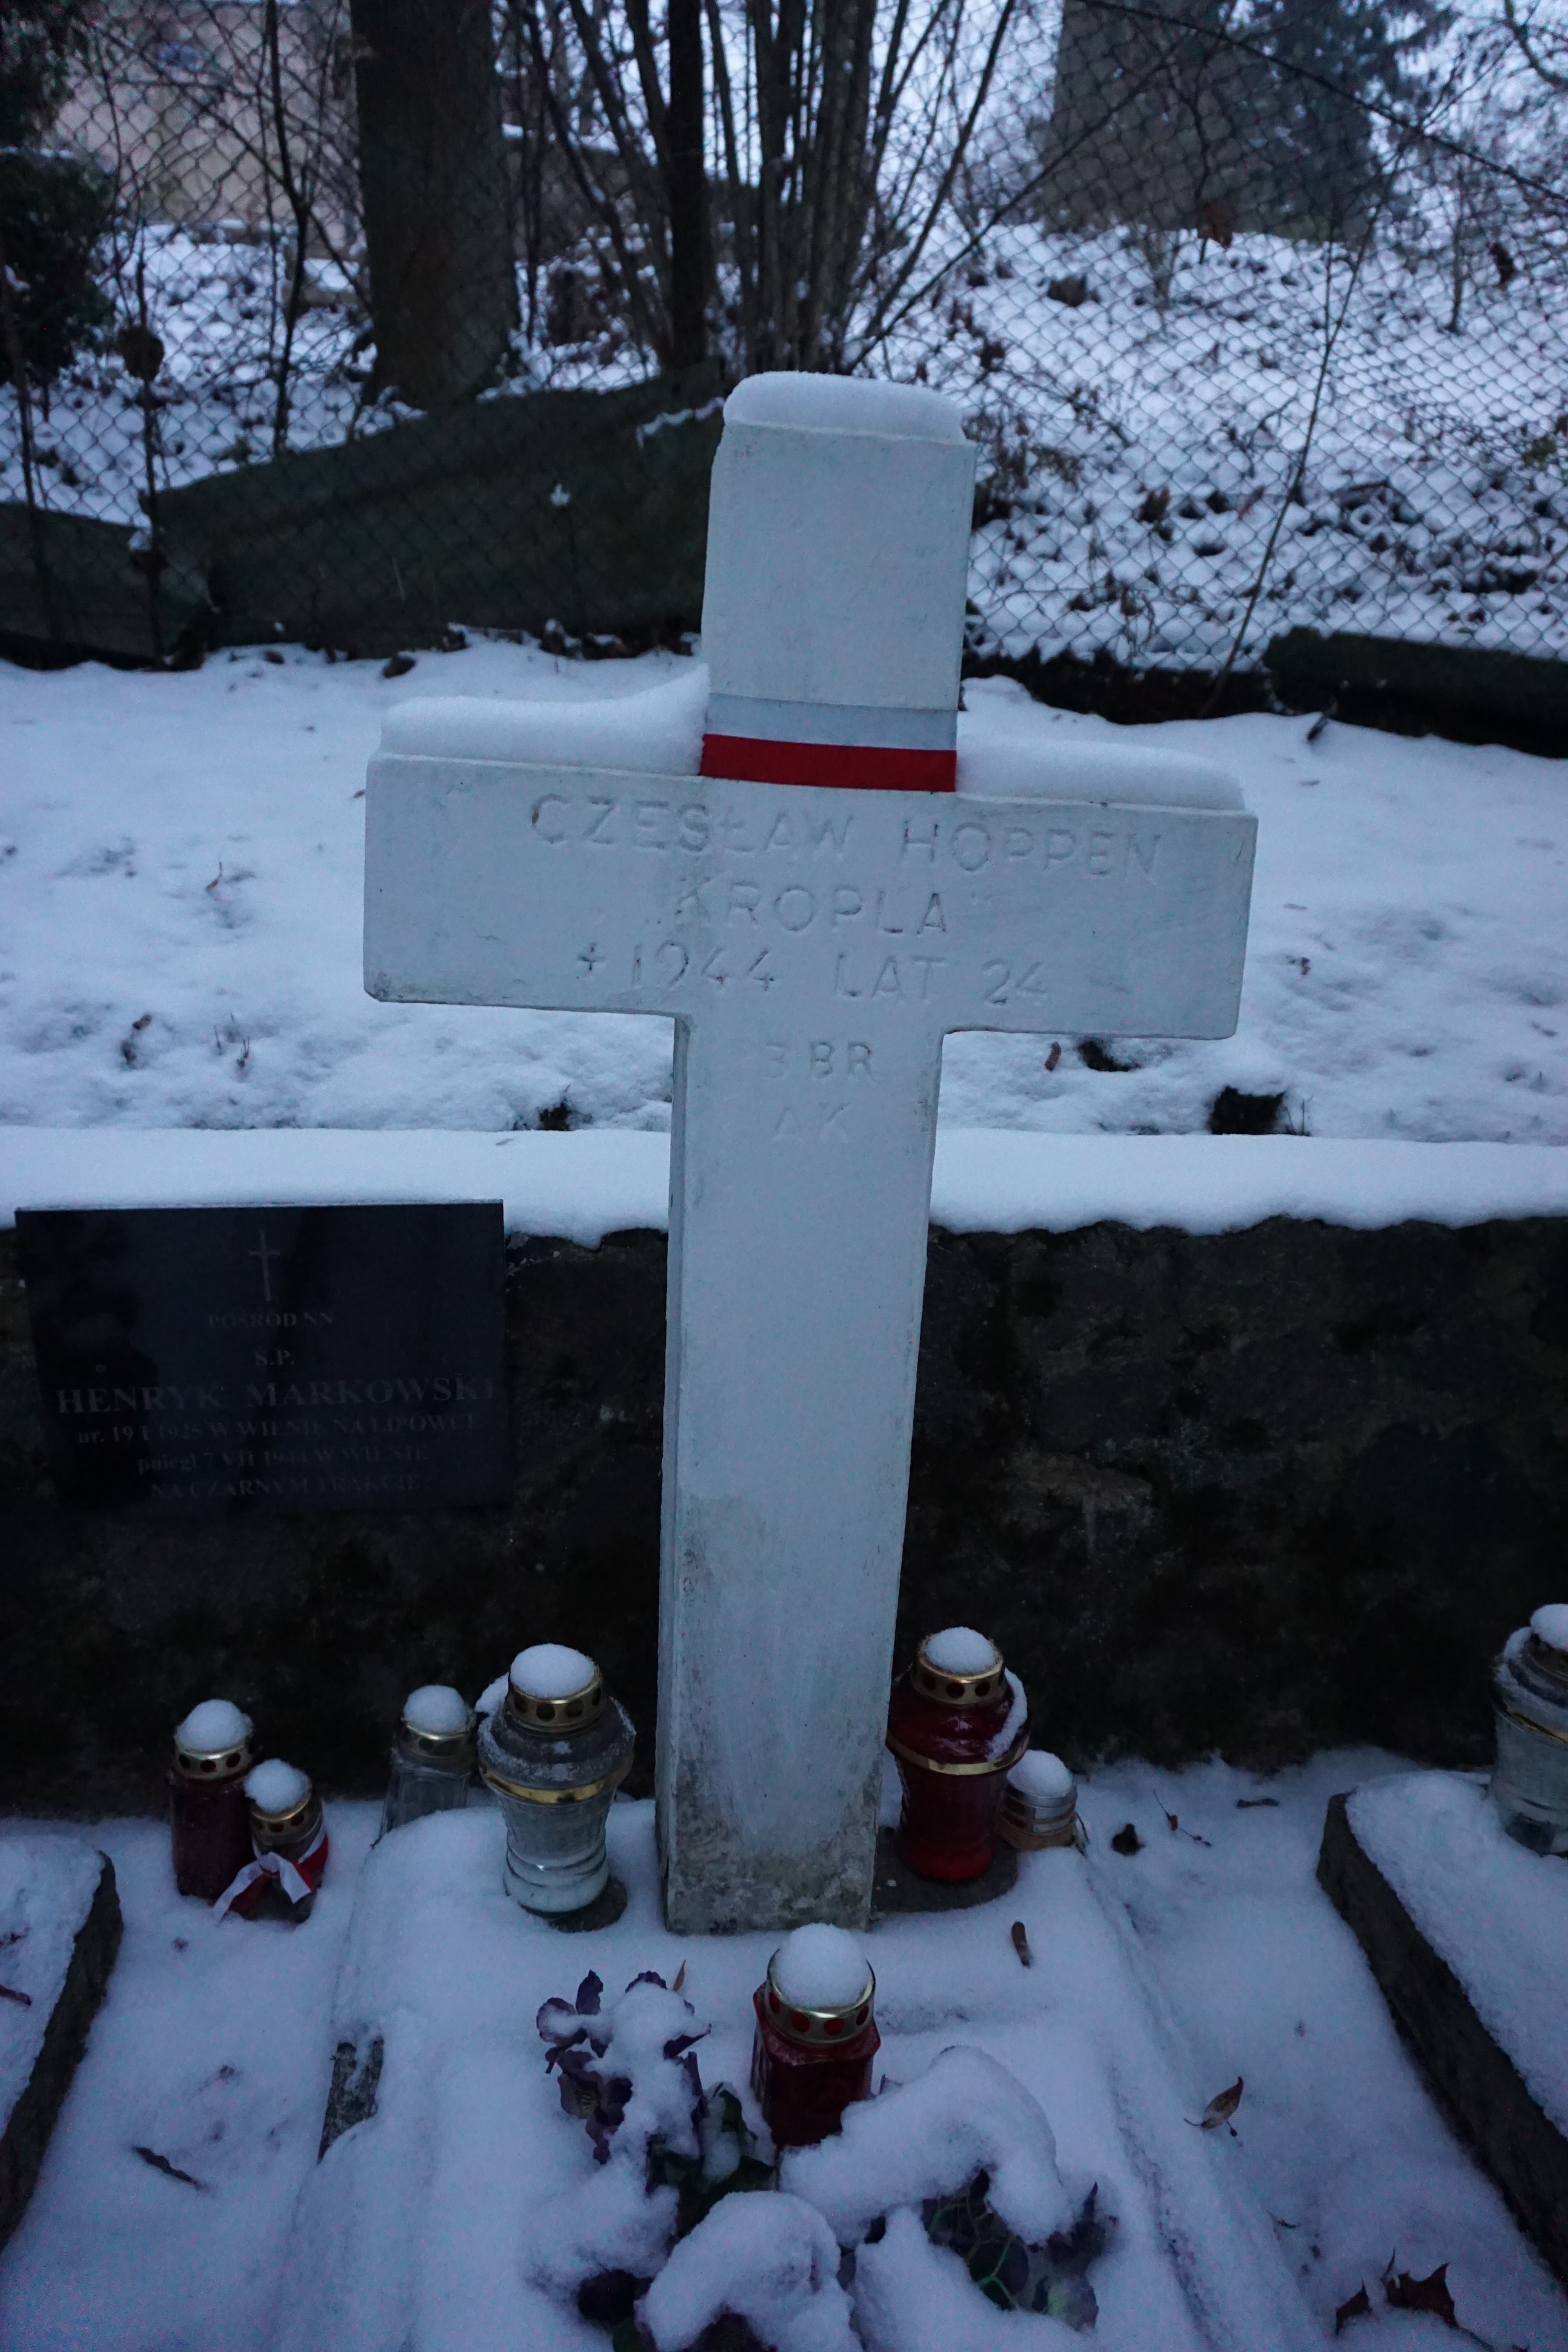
(832,608)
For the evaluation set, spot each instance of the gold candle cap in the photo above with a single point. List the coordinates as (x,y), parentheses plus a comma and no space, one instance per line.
(819,2025)
(214,1742)
(437,1723)
(1549,1638)
(953,1666)
(553,1688)
(280,1795)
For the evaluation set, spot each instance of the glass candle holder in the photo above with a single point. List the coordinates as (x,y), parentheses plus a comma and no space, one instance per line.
(209,1815)
(957,1724)
(554,1752)
(1039,1804)
(432,1759)
(1529,1691)
(289,1847)
(811,2059)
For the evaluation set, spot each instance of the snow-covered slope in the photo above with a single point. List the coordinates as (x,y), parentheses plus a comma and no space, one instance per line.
(180,910)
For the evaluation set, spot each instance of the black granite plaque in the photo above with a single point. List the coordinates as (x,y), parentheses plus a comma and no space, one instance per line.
(198,1361)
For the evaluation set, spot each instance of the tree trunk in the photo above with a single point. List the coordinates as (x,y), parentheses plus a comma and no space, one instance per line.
(443,290)
(688,188)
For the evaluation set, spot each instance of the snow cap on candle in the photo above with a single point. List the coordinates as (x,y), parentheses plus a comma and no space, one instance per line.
(821,1967)
(1550,1624)
(274,1787)
(437,1709)
(214,1725)
(832,608)
(551,1671)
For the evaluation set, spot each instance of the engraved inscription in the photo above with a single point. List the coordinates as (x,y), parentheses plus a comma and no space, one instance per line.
(1110,851)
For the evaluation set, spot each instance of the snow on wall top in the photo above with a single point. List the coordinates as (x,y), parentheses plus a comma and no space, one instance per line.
(837,404)
(579,1187)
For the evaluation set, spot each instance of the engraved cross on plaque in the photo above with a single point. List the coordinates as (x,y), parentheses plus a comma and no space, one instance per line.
(814,945)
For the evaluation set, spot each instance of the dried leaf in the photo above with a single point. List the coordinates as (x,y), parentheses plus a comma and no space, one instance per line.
(679,1977)
(1220,2108)
(1021,1943)
(1174,1826)
(8,1993)
(162,2164)
(589,1994)
(1251,1804)
(140,349)
(1127,1840)
(1356,2306)
(1054,1056)
(1216,220)
(1407,2294)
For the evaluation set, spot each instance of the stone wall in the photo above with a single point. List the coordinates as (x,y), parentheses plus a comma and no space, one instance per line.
(1257,1492)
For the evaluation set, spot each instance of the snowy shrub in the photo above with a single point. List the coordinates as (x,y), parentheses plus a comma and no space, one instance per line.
(912,2297)
(770,2264)
(669,2151)
(651,2084)
(1052,2279)
(53,212)
(928,2139)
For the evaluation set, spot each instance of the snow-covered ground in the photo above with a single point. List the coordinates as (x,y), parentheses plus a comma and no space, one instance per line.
(214,2050)
(180,914)
(1434,497)
(1431,501)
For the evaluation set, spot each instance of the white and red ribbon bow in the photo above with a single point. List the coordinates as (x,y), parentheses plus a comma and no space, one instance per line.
(297,1878)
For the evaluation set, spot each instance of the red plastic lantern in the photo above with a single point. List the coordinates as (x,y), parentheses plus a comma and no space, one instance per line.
(811,2058)
(209,1813)
(289,1844)
(957,1723)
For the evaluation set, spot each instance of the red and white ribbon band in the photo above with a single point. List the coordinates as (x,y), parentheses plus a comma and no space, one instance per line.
(864,747)
(297,1878)
(848,767)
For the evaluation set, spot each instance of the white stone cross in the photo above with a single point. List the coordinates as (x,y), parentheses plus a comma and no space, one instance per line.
(814,945)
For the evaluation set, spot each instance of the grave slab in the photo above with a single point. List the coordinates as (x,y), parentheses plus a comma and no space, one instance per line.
(427,2220)
(1465,1933)
(59,1932)
(813,946)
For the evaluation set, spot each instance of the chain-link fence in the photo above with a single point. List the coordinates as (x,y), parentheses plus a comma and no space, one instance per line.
(363,320)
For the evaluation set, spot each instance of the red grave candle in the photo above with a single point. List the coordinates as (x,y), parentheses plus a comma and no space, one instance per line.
(816,2035)
(209,1813)
(957,1722)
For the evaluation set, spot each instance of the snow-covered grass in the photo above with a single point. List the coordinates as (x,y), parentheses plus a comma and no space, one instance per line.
(1434,500)
(1209,1954)
(180,917)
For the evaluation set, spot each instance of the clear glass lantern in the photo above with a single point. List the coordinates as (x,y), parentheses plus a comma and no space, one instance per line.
(1530,1690)
(554,1752)
(432,1760)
